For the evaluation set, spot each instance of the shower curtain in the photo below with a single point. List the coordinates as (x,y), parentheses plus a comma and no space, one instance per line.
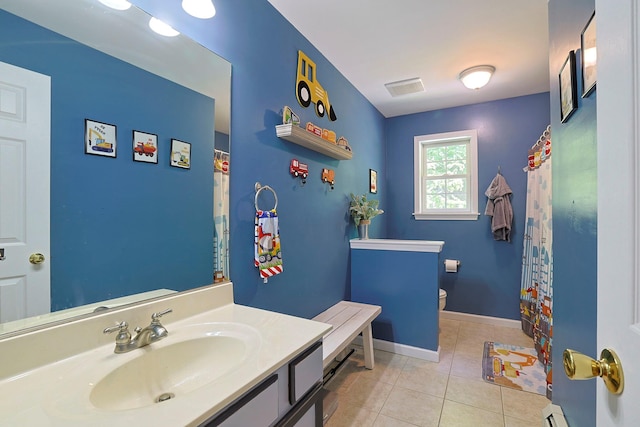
(537,260)
(221,216)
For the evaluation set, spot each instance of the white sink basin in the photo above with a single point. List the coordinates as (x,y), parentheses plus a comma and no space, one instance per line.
(189,358)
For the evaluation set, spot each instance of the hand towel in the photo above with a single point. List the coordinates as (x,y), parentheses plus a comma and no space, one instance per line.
(268,256)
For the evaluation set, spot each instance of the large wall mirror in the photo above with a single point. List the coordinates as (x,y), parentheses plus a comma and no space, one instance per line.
(121,229)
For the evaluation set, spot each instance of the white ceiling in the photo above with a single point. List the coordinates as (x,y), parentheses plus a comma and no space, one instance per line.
(373,42)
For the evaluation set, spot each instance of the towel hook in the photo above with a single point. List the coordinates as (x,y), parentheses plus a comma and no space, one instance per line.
(259,188)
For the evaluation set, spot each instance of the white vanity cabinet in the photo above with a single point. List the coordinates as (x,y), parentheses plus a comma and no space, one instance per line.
(289,398)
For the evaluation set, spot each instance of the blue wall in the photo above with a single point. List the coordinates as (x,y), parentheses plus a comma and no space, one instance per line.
(117,226)
(314,224)
(488,281)
(574,217)
(404,284)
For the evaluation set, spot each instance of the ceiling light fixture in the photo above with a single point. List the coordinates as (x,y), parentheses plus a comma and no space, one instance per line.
(202,9)
(116,4)
(476,77)
(161,28)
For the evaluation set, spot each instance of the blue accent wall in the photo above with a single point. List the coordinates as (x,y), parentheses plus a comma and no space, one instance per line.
(314,224)
(574,217)
(106,209)
(405,285)
(488,281)
(315,227)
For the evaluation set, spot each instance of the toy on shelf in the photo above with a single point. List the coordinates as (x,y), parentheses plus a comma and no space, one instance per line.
(342,142)
(329,135)
(298,169)
(288,116)
(329,175)
(316,130)
(312,136)
(326,134)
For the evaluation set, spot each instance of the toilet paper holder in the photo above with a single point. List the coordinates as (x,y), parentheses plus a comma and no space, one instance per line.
(451,265)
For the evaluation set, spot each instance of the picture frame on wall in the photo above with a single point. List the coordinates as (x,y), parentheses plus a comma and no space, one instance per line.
(180,154)
(568,88)
(145,147)
(100,138)
(373,181)
(589,57)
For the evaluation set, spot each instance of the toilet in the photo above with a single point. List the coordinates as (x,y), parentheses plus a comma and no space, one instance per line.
(443,299)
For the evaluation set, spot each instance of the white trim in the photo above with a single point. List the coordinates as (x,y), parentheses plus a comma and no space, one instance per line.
(403,349)
(447,216)
(476,318)
(398,245)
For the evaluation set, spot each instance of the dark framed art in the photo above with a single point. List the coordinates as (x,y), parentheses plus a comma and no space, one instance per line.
(373,181)
(589,56)
(145,147)
(180,154)
(99,138)
(568,89)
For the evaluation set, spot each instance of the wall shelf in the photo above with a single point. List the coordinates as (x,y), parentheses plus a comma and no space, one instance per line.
(300,136)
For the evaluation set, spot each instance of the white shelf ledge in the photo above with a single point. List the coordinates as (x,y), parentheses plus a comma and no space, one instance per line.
(300,136)
(398,245)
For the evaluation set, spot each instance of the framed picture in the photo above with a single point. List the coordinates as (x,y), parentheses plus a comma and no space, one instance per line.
(145,147)
(180,154)
(373,181)
(589,57)
(99,138)
(568,89)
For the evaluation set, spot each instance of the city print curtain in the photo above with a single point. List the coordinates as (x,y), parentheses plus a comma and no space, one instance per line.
(536,295)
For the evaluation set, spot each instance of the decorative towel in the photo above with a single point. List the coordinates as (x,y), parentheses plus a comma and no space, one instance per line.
(499,208)
(268,257)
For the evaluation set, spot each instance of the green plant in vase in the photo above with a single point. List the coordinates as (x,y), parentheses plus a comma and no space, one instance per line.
(363,210)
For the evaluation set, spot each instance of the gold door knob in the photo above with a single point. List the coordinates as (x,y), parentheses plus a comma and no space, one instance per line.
(577,366)
(36,259)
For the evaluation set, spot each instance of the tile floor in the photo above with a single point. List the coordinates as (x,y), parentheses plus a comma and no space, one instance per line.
(402,391)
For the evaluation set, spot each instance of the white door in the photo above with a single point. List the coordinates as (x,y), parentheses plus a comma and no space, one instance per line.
(618,122)
(25,116)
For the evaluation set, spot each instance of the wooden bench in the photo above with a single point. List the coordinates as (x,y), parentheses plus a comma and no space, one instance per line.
(348,319)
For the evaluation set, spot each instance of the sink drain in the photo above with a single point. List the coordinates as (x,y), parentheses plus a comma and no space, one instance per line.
(165,396)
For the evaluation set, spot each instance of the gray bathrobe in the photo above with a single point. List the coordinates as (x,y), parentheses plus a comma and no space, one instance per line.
(499,208)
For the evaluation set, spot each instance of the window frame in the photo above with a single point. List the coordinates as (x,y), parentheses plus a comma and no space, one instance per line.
(419,143)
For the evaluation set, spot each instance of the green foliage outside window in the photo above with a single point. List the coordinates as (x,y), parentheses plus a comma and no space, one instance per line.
(446,177)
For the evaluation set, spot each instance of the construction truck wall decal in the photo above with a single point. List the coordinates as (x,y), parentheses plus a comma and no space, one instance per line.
(309,90)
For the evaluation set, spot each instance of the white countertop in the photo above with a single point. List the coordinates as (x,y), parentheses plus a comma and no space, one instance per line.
(57,393)
(398,245)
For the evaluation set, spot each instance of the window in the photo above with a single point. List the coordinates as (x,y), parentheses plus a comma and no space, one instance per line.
(445,176)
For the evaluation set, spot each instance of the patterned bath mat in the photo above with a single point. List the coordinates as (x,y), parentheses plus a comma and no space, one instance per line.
(513,366)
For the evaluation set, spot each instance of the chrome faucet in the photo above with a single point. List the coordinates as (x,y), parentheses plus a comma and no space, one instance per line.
(144,336)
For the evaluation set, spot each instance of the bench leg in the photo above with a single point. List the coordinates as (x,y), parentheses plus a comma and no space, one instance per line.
(367,343)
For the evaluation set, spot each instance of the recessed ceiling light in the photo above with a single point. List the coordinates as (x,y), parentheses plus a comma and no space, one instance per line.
(116,4)
(476,77)
(161,28)
(202,9)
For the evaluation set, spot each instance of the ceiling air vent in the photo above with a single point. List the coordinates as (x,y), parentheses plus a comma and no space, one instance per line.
(405,87)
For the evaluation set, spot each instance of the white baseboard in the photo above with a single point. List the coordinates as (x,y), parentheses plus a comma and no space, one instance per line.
(403,349)
(476,318)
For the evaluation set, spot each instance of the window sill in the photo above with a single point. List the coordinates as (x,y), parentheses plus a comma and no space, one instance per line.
(466,216)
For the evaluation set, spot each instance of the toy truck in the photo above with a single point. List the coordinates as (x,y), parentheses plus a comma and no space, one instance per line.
(329,175)
(299,169)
